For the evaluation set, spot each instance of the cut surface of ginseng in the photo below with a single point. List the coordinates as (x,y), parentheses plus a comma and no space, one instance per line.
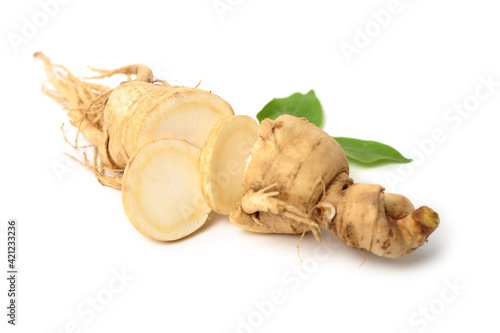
(138,113)
(161,191)
(223,161)
(188,114)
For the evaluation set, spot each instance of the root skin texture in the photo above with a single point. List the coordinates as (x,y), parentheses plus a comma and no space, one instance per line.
(293,159)
(122,120)
(298,180)
(182,152)
(151,133)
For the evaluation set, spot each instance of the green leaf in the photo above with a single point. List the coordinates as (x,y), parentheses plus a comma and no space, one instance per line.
(298,105)
(368,152)
(309,107)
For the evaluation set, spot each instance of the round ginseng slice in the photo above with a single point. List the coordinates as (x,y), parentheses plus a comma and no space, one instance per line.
(224,159)
(161,191)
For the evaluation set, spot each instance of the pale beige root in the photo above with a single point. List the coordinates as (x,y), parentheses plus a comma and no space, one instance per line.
(382,223)
(142,72)
(298,180)
(290,165)
(223,161)
(85,103)
(120,121)
(161,191)
(79,98)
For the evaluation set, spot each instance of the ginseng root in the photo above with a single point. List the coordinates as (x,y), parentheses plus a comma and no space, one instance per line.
(129,126)
(298,180)
(122,120)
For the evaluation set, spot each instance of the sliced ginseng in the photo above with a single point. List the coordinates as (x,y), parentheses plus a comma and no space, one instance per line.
(161,190)
(223,161)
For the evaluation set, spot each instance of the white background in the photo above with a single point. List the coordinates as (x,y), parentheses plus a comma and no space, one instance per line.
(74,235)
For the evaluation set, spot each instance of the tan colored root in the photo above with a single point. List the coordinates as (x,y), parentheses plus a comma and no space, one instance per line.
(85,103)
(75,145)
(364,258)
(298,245)
(77,97)
(297,160)
(383,223)
(264,201)
(308,173)
(120,121)
(142,72)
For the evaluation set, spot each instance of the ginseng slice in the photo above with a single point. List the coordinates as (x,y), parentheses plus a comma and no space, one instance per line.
(161,191)
(188,115)
(223,161)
